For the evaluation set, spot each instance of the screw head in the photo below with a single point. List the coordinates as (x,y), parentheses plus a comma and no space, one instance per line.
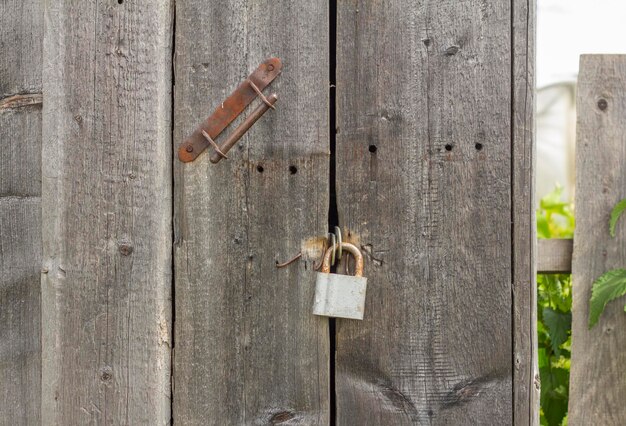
(189,148)
(270,67)
(602,104)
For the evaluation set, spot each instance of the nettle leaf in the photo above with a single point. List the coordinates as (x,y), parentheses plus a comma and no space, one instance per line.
(609,286)
(615,214)
(559,325)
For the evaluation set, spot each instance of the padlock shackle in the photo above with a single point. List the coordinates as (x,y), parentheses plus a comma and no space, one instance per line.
(350,248)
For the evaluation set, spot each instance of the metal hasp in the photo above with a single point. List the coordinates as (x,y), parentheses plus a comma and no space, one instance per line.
(341,296)
(230,109)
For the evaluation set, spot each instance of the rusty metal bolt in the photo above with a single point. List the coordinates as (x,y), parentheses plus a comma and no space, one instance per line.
(270,67)
(189,148)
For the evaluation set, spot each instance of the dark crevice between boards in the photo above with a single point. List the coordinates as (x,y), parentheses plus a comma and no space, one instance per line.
(333,213)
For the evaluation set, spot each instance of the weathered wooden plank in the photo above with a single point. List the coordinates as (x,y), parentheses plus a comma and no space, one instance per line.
(424,187)
(20,356)
(21,33)
(107,237)
(20,152)
(597,386)
(526,381)
(21,36)
(554,256)
(248,350)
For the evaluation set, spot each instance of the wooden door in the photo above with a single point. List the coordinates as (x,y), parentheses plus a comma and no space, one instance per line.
(431,141)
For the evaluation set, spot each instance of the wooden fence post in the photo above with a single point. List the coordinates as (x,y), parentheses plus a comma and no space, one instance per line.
(107,234)
(434,183)
(597,385)
(21,32)
(247,348)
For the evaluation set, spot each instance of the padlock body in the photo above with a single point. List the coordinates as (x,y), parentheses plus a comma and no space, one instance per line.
(340,296)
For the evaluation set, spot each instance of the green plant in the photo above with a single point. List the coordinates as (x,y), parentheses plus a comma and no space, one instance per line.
(612,284)
(555,219)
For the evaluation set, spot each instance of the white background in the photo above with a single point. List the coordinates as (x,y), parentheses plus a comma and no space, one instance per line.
(568,28)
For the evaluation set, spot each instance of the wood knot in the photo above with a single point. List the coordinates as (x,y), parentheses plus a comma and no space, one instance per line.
(106,373)
(125,248)
(452,50)
(281,417)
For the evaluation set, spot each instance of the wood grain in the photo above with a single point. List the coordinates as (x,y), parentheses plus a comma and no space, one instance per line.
(597,386)
(526,380)
(554,256)
(247,348)
(21,34)
(429,178)
(107,233)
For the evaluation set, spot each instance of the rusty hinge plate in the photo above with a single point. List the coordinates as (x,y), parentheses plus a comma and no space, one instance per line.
(228,110)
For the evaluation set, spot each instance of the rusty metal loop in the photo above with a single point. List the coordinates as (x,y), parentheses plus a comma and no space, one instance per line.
(261,95)
(213,144)
(317,267)
(350,248)
(289,262)
(333,246)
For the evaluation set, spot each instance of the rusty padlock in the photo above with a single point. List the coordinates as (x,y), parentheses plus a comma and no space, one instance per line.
(341,296)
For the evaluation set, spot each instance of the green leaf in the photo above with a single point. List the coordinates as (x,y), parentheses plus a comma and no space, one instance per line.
(615,214)
(553,199)
(609,286)
(554,394)
(543,227)
(542,358)
(559,325)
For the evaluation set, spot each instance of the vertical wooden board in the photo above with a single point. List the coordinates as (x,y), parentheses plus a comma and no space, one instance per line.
(21,36)
(20,330)
(526,382)
(107,233)
(20,152)
(424,185)
(247,348)
(597,386)
(21,33)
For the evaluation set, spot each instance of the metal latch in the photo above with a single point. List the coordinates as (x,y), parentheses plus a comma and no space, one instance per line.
(205,135)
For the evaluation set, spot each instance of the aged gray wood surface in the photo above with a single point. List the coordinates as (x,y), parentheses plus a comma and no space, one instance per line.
(526,381)
(107,234)
(554,256)
(247,348)
(597,385)
(425,181)
(21,33)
